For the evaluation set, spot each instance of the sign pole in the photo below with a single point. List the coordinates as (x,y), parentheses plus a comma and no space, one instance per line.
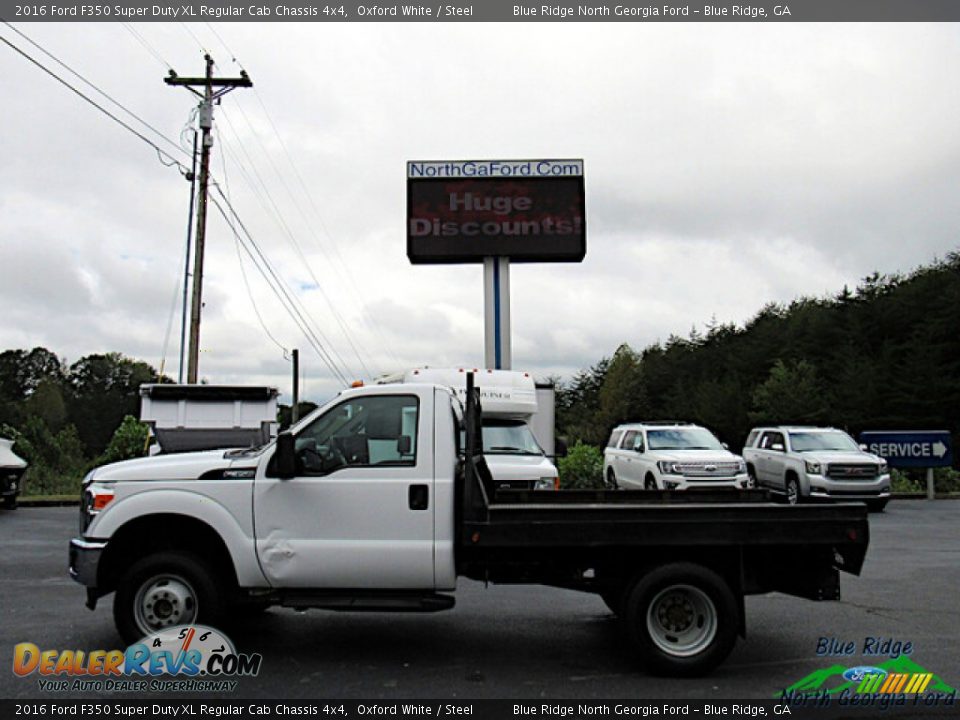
(496,313)
(931,495)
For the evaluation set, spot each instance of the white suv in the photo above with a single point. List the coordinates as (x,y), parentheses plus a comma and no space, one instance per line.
(670,456)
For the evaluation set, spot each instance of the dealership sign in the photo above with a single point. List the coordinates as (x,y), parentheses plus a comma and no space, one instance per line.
(910,448)
(465,211)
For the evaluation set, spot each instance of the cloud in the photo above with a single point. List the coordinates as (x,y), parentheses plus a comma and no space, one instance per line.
(727,166)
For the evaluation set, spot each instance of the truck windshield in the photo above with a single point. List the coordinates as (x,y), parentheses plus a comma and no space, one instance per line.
(509,437)
(809,441)
(682,439)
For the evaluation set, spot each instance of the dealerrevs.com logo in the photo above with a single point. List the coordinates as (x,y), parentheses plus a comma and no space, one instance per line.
(196,657)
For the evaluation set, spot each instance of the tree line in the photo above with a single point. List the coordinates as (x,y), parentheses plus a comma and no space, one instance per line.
(885,355)
(67,418)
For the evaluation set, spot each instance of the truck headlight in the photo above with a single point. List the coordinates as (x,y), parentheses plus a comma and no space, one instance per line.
(668,467)
(741,467)
(883,468)
(547,483)
(812,467)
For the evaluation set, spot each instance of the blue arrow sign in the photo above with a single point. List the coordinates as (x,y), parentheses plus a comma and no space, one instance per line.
(910,448)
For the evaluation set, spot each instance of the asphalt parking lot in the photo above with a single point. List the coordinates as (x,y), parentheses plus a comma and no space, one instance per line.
(518,642)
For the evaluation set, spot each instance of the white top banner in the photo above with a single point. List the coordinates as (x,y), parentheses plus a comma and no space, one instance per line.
(494,168)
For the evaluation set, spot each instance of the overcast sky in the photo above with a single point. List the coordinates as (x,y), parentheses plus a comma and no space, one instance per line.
(727,166)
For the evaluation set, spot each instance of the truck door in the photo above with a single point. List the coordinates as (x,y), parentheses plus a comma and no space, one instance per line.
(769,464)
(360,511)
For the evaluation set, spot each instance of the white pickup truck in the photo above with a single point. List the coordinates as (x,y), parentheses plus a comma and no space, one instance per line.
(371,503)
(803,463)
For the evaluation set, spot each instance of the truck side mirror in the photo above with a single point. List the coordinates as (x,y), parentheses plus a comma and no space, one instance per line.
(285,456)
(403,445)
(777,446)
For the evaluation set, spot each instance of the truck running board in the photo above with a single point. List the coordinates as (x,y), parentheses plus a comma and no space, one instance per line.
(367,601)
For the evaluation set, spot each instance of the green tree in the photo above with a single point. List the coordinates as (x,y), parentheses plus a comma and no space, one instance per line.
(792,393)
(56,461)
(129,441)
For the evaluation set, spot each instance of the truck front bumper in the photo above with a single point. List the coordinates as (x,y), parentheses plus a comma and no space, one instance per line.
(873,489)
(683,482)
(84,562)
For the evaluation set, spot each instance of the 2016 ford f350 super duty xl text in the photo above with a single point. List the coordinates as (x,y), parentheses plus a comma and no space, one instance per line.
(369,504)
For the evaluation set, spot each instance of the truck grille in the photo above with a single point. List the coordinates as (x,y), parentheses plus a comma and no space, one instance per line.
(852,471)
(708,470)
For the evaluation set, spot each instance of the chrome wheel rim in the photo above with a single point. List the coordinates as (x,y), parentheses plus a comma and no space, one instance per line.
(682,620)
(792,493)
(163,601)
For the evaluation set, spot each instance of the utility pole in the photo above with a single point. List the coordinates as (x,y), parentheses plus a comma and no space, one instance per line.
(205,119)
(295,410)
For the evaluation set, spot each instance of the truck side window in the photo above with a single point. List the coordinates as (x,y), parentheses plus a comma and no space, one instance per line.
(364,432)
(770,439)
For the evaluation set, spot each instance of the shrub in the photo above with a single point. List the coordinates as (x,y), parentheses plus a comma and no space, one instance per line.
(582,468)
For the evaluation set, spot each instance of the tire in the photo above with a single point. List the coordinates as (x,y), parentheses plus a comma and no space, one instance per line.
(792,491)
(163,590)
(751,478)
(682,618)
(611,479)
(876,506)
(650,482)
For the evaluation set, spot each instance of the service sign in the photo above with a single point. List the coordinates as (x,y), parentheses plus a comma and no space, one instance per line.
(464,211)
(910,448)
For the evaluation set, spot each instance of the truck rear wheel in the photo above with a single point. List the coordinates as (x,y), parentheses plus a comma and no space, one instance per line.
(682,618)
(164,590)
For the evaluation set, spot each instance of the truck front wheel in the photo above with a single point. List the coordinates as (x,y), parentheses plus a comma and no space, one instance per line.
(682,618)
(163,590)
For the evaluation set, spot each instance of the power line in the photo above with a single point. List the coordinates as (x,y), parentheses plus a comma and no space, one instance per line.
(336,253)
(276,284)
(293,241)
(149,48)
(243,272)
(273,211)
(92,85)
(161,153)
(297,312)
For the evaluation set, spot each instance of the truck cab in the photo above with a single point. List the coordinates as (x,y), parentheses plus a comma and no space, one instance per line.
(512,417)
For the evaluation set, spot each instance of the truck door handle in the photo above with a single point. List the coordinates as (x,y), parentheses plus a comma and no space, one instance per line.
(419,497)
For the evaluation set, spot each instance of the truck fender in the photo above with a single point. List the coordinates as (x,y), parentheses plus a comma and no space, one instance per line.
(240,544)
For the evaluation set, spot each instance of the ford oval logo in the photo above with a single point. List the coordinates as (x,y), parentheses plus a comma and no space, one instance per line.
(856,674)
(710,468)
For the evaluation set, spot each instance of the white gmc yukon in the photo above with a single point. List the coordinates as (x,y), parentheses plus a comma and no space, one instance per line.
(802,463)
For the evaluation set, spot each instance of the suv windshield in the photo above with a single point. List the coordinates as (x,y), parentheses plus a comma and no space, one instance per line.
(682,439)
(834,440)
(509,437)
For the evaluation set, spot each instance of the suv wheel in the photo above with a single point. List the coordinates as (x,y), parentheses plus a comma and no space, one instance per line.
(611,479)
(650,483)
(793,491)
